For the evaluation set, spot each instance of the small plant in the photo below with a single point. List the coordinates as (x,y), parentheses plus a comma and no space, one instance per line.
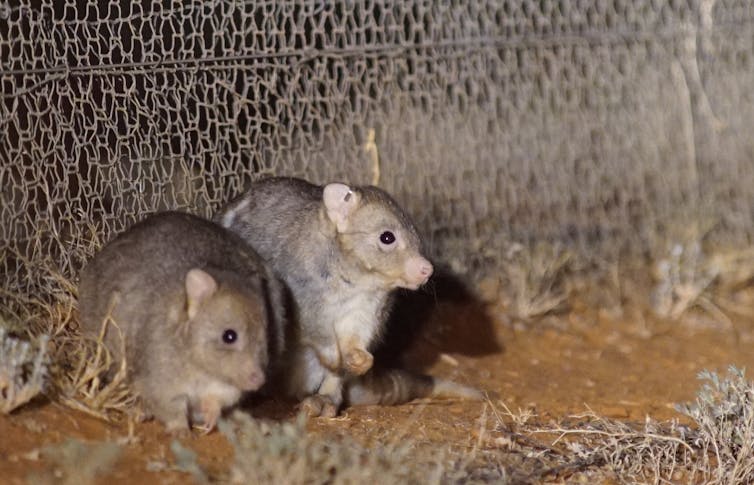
(186,462)
(689,277)
(73,462)
(589,448)
(718,448)
(683,278)
(536,279)
(23,370)
(271,452)
(268,452)
(724,415)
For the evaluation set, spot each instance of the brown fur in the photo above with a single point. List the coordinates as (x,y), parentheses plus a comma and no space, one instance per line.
(173,285)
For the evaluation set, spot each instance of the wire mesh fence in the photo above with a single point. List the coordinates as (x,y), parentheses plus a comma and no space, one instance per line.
(602,125)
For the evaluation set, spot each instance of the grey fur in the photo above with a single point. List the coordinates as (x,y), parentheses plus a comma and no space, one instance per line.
(395,386)
(332,274)
(179,365)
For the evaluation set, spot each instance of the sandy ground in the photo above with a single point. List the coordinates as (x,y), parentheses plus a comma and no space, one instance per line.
(623,367)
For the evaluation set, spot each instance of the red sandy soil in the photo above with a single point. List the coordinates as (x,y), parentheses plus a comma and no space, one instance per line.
(625,368)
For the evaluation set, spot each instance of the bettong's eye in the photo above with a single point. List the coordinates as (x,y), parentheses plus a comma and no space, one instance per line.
(230,336)
(387,238)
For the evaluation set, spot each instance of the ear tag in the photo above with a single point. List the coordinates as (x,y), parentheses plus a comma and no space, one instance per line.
(340,203)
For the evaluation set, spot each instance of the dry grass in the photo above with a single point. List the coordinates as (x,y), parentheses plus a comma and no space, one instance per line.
(77,365)
(684,279)
(268,452)
(85,381)
(693,272)
(535,279)
(588,448)
(712,280)
(718,448)
(81,378)
(649,453)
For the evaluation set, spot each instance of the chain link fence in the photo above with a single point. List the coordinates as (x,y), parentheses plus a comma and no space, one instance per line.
(601,125)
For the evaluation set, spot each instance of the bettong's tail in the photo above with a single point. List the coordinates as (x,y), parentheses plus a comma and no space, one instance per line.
(398,386)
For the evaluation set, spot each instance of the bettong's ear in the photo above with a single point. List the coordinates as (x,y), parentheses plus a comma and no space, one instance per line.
(340,202)
(200,286)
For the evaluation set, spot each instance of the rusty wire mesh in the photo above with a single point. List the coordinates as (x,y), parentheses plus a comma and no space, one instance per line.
(599,124)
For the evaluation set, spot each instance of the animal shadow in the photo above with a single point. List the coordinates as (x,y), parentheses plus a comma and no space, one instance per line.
(445,316)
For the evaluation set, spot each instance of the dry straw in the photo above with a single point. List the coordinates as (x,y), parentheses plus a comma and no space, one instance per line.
(86,381)
(79,366)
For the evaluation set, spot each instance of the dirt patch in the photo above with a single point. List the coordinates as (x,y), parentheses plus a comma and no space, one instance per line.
(624,368)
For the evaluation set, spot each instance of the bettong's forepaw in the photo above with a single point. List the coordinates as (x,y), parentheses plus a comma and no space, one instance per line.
(357,362)
(319,406)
